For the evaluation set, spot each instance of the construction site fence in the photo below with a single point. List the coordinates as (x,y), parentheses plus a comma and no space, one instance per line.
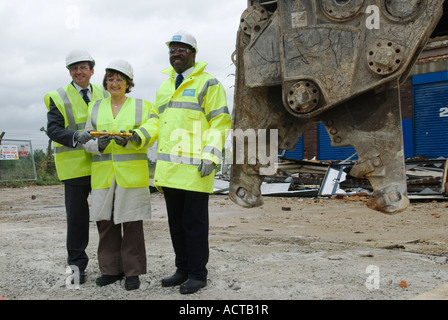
(17,161)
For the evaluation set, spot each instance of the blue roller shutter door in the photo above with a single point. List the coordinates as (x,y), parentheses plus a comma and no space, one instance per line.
(298,152)
(326,151)
(430,94)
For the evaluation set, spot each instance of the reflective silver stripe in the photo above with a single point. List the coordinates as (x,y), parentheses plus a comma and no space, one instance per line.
(189,105)
(214,113)
(120,157)
(105,93)
(138,112)
(212,150)
(67,149)
(153,116)
(68,109)
(178,159)
(94,116)
(103,157)
(162,108)
(147,136)
(185,105)
(209,83)
(130,157)
(195,107)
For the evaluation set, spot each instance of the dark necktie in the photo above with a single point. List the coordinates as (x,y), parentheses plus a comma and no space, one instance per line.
(179,80)
(85,96)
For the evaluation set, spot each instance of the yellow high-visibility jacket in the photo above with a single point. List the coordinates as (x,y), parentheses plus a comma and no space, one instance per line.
(190,124)
(72,162)
(129,164)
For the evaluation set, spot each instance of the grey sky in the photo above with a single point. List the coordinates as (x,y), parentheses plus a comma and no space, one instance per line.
(37,35)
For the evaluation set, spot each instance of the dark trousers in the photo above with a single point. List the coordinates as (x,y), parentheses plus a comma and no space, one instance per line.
(188,221)
(121,248)
(77,208)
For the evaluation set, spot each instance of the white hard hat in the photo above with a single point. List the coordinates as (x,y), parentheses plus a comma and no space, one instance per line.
(184,37)
(78,55)
(122,66)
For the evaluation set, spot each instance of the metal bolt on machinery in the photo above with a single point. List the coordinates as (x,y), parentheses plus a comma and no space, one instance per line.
(336,61)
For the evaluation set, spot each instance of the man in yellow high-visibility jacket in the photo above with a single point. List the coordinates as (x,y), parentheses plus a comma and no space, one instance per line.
(67,115)
(190,119)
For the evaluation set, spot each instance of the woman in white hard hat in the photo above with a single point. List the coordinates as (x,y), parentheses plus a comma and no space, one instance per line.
(120,178)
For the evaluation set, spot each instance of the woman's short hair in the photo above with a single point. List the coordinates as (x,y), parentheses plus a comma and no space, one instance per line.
(110,73)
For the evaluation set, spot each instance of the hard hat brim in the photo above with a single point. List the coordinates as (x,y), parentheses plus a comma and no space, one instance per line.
(68,65)
(188,44)
(123,67)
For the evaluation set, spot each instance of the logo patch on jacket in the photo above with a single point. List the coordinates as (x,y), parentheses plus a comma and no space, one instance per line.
(189,93)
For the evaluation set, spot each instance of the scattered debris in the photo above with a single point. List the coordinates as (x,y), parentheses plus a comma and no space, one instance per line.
(335,257)
(414,241)
(234,285)
(366,255)
(393,246)
(426,180)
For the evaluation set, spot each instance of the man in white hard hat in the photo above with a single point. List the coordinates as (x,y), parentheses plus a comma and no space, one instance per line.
(66,116)
(194,102)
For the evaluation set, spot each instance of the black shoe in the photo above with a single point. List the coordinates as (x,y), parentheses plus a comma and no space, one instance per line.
(192,286)
(106,279)
(132,283)
(174,280)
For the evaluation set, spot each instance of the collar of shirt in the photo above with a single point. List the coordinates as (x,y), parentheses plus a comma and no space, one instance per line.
(186,73)
(79,88)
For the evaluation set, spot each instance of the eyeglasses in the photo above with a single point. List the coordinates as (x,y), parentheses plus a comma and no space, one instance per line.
(112,80)
(180,50)
(81,68)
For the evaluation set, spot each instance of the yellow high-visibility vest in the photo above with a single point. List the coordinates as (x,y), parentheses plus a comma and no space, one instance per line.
(190,124)
(128,164)
(72,162)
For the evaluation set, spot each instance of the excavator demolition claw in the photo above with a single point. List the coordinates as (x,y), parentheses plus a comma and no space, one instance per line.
(336,61)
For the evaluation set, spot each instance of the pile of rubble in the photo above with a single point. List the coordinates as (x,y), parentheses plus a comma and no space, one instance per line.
(426,179)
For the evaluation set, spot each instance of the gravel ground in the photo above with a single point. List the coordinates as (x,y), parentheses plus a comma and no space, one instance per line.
(288,249)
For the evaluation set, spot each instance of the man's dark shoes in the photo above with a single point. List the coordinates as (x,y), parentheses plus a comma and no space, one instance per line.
(132,283)
(192,286)
(174,280)
(106,279)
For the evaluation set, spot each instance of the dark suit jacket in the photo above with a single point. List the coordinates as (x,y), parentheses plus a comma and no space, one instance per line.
(56,127)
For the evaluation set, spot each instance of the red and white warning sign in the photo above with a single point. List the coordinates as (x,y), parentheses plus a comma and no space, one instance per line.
(9,152)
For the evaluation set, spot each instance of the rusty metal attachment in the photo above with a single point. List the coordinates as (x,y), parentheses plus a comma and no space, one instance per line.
(252,19)
(336,61)
(303,97)
(341,9)
(385,57)
(402,11)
